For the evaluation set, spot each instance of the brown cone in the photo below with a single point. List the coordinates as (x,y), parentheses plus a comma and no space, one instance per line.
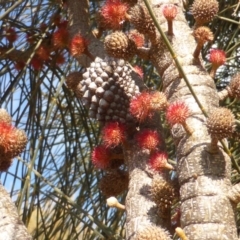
(119,45)
(114,183)
(204,11)
(152,233)
(221,123)
(234,86)
(73,79)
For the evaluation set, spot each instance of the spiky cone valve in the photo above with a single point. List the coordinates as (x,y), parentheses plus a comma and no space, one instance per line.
(142,21)
(114,183)
(177,113)
(118,45)
(220,125)
(73,79)
(201,35)
(170,12)
(107,88)
(204,11)
(234,86)
(217,57)
(113,202)
(152,232)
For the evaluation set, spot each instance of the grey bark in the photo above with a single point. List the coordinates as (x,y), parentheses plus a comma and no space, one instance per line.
(206,211)
(11,227)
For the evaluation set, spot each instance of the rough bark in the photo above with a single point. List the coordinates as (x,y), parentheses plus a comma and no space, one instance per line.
(204,178)
(11,227)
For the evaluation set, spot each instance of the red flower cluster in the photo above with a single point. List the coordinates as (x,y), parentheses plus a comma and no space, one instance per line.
(78,45)
(113,13)
(144,104)
(159,161)
(169,12)
(113,134)
(217,57)
(101,157)
(148,139)
(177,112)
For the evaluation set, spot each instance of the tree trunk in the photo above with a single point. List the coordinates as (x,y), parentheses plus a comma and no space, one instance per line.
(204,178)
(11,227)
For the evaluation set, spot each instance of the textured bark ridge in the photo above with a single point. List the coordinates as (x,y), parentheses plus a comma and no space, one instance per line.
(11,227)
(206,211)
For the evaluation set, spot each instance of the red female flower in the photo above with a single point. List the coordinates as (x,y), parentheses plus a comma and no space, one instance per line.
(137,37)
(101,157)
(159,161)
(148,139)
(113,134)
(169,11)
(177,112)
(113,13)
(60,38)
(217,57)
(140,106)
(78,45)
(7,136)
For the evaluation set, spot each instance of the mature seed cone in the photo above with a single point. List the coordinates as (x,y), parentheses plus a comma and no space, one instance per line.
(12,143)
(204,11)
(73,79)
(20,144)
(152,233)
(142,21)
(119,45)
(4,116)
(203,34)
(234,86)
(221,123)
(163,194)
(114,183)
(107,87)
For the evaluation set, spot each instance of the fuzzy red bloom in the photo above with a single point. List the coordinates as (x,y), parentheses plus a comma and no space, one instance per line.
(60,38)
(36,63)
(43,53)
(169,12)
(113,13)
(137,37)
(101,157)
(217,57)
(177,112)
(31,38)
(139,71)
(11,35)
(159,161)
(78,45)
(148,139)
(140,106)
(113,134)
(8,136)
